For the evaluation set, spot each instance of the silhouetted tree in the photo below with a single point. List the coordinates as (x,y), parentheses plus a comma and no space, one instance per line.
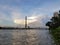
(55,22)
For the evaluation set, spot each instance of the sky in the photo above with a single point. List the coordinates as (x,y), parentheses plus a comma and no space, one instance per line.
(13,12)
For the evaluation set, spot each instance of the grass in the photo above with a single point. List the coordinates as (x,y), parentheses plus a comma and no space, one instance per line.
(56,35)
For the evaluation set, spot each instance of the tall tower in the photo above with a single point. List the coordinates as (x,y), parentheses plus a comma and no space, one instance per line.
(25,21)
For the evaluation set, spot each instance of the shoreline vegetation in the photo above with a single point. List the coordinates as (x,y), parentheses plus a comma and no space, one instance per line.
(54,27)
(56,35)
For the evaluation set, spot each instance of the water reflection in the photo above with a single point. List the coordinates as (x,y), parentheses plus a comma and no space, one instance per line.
(25,37)
(5,37)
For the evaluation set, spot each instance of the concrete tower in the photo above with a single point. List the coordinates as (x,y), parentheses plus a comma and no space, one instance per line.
(25,21)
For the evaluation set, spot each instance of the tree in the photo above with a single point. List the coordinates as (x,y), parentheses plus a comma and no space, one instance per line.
(55,22)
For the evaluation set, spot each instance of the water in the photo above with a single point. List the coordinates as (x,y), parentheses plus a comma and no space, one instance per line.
(25,37)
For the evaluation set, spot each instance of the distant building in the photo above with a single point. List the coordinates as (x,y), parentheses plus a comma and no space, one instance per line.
(56,14)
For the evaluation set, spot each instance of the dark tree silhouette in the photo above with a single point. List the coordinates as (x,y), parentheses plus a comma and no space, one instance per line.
(55,22)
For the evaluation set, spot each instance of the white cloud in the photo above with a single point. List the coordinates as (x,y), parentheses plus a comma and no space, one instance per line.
(22,21)
(6,11)
(3,16)
(8,14)
(40,21)
(38,16)
(15,15)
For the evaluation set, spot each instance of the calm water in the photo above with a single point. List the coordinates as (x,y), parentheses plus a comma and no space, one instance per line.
(25,37)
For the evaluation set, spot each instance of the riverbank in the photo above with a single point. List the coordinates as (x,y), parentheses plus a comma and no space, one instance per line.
(22,28)
(56,35)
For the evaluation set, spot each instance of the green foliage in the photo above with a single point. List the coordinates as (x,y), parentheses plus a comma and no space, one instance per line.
(55,22)
(56,34)
(54,26)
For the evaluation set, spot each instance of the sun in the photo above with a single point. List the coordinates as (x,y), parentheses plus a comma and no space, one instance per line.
(19,21)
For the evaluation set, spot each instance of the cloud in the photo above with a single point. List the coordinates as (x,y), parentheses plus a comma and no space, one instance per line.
(9,8)
(8,14)
(15,16)
(40,17)
(9,2)
(22,21)
(3,16)
(9,11)
(31,20)
(14,11)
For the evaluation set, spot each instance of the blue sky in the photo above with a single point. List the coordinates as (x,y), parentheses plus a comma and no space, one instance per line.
(12,12)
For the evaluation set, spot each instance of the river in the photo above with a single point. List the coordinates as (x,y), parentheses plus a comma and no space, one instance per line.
(25,37)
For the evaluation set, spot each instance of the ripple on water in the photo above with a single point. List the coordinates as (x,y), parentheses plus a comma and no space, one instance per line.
(25,37)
